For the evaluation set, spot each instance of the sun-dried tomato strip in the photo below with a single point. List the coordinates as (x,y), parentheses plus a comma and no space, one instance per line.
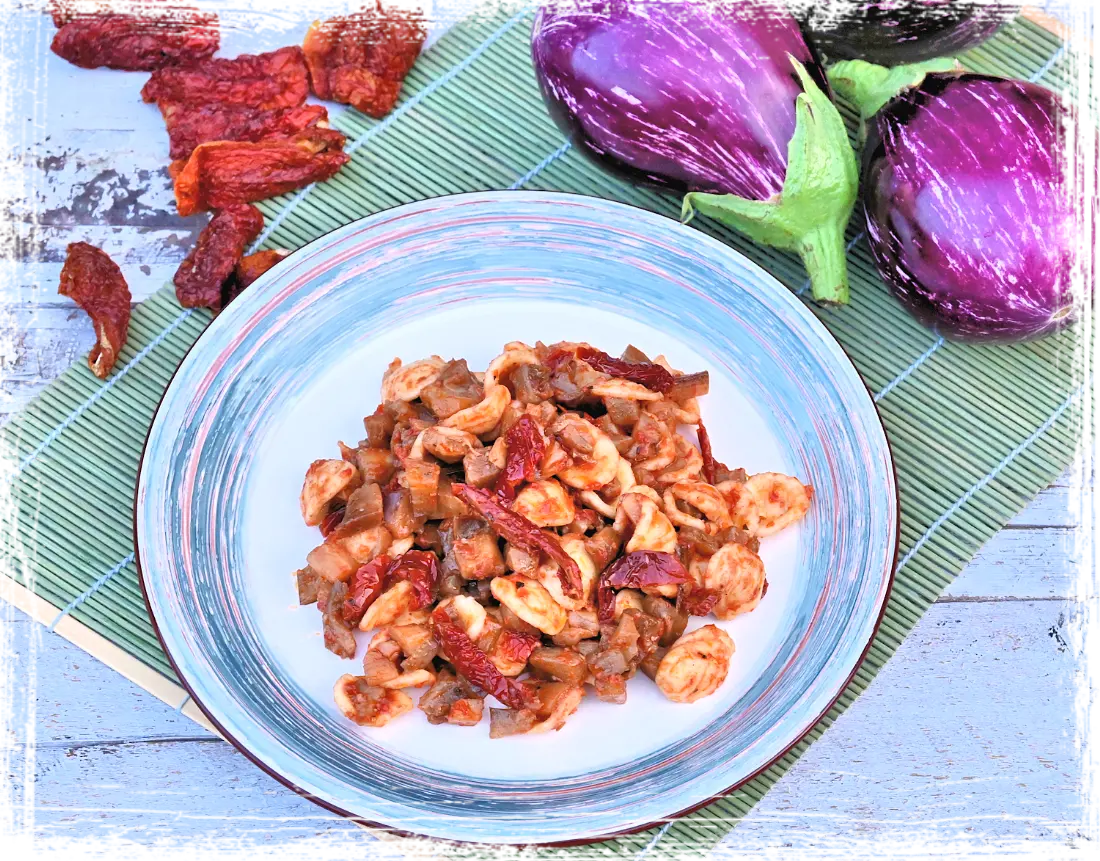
(204,273)
(222,173)
(362,59)
(516,645)
(93,280)
(366,586)
(526,447)
(475,666)
(190,125)
(518,530)
(278,79)
(710,467)
(153,38)
(646,374)
(637,570)
(331,521)
(421,569)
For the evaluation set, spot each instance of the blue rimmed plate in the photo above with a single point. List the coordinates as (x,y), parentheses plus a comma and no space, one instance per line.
(296,362)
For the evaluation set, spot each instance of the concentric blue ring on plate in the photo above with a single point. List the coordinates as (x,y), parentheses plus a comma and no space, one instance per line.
(281,374)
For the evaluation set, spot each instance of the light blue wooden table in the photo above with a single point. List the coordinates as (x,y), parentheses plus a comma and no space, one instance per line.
(966,741)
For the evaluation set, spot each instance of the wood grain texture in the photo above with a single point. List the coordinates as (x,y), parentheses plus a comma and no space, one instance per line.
(966,735)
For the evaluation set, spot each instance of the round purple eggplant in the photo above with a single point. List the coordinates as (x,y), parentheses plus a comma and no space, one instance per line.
(890,32)
(968,214)
(725,102)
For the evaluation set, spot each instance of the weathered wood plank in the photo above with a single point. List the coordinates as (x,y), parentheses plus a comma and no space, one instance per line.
(1021,563)
(942,746)
(938,738)
(78,700)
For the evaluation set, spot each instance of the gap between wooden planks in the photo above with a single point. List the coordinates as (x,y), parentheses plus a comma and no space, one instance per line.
(165,690)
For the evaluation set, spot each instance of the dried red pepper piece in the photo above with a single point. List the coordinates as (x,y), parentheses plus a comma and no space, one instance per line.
(637,570)
(516,645)
(93,280)
(143,39)
(278,79)
(221,173)
(647,374)
(518,530)
(366,586)
(203,274)
(192,124)
(362,59)
(474,665)
(421,569)
(695,600)
(526,447)
(331,521)
(710,466)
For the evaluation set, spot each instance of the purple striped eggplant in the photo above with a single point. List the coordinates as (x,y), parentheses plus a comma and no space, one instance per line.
(725,102)
(892,32)
(969,216)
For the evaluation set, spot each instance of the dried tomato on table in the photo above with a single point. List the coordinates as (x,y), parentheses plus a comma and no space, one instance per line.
(278,79)
(526,447)
(201,278)
(93,280)
(474,665)
(192,124)
(221,173)
(518,530)
(366,585)
(143,39)
(251,267)
(362,59)
(637,570)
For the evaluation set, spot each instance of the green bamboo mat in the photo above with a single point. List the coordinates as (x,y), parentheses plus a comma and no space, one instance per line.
(976,432)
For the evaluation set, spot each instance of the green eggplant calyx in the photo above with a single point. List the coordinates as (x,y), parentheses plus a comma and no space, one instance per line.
(869,87)
(819,191)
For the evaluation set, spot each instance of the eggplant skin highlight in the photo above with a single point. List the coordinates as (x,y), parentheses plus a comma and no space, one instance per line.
(969,216)
(889,32)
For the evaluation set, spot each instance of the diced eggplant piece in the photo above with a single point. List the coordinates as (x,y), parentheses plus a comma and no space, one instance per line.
(456,389)
(476,549)
(397,512)
(530,384)
(480,471)
(379,428)
(376,464)
(332,562)
(565,665)
(308,581)
(506,722)
(603,546)
(417,644)
(423,480)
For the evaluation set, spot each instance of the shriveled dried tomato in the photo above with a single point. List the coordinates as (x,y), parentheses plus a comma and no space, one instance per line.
(192,124)
(248,270)
(366,586)
(558,358)
(278,79)
(93,280)
(526,447)
(222,173)
(362,59)
(421,569)
(647,374)
(474,665)
(710,467)
(203,274)
(143,39)
(695,600)
(518,530)
(637,570)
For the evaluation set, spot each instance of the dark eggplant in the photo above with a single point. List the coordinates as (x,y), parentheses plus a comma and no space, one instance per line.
(890,32)
(725,101)
(969,215)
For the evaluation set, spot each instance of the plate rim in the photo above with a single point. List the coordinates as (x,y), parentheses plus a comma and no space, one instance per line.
(390,830)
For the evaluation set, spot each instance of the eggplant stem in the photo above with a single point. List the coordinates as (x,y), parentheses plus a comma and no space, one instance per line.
(819,192)
(823,254)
